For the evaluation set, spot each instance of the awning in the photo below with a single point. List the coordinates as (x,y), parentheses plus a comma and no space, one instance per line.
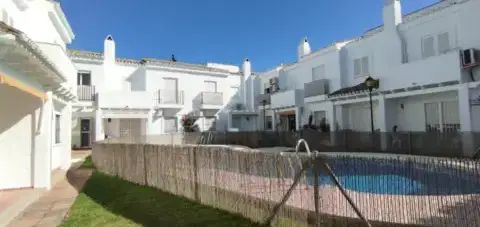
(362,87)
(10,81)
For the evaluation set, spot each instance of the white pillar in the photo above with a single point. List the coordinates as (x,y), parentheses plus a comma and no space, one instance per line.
(149,126)
(298,118)
(43,146)
(331,117)
(274,121)
(66,127)
(382,122)
(465,120)
(99,131)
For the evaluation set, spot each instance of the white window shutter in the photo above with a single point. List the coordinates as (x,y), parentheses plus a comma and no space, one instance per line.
(365,67)
(357,67)
(428,47)
(443,43)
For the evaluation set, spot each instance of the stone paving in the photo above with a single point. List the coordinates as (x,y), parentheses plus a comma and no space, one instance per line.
(53,206)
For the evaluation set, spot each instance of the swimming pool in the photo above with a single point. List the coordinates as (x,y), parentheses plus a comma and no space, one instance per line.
(399,177)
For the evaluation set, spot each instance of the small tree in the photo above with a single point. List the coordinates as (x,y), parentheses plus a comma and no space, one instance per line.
(188,123)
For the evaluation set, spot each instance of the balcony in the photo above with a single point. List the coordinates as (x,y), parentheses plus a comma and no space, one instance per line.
(60,58)
(287,99)
(209,100)
(125,100)
(263,99)
(86,93)
(168,99)
(432,70)
(316,88)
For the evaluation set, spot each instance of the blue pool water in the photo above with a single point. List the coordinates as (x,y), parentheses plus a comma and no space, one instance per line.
(399,178)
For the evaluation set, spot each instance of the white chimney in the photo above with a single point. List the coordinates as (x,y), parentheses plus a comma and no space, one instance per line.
(109,50)
(392,14)
(304,48)
(246,72)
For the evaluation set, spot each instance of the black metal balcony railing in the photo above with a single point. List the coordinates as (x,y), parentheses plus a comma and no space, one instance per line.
(168,97)
(316,87)
(86,93)
(263,99)
(210,98)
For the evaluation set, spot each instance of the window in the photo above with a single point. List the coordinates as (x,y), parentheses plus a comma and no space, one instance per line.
(269,123)
(318,116)
(210,86)
(170,90)
(433,45)
(57,128)
(84,78)
(443,43)
(318,73)
(361,67)
(428,46)
(442,116)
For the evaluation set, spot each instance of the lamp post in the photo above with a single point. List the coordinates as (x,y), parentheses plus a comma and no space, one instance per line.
(371,84)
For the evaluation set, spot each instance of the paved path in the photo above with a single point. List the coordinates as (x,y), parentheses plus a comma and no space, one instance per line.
(53,206)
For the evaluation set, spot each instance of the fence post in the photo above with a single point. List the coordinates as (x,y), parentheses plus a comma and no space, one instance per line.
(410,143)
(145,168)
(316,193)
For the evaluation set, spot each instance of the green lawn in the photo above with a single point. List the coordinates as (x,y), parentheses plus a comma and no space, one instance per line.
(88,163)
(109,201)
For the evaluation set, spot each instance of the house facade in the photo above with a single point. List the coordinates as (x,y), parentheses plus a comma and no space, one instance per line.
(417,60)
(126,97)
(37,86)
(425,64)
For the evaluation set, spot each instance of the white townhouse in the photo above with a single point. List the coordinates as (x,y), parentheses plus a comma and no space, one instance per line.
(425,64)
(125,97)
(37,86)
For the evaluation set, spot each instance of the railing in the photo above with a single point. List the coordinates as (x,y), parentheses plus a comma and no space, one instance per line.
(263,99)
(86,93)
(316,87)
(211,98)
(281,188)
(168,97)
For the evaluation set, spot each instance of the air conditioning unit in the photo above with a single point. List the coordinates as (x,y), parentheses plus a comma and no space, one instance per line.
(469,58)
(239,106)
(273,81)
(274,88)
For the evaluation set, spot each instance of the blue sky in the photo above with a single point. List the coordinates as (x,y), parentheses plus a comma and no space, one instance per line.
(223,31)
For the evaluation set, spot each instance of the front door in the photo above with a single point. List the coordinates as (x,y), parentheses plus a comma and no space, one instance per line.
(85,133)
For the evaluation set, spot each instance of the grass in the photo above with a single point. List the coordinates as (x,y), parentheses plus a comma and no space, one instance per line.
(109,201)
(88,163)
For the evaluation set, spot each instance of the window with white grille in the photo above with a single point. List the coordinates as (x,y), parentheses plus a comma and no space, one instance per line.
(318,73)
(442,117)
(361,67)
(170,90)
(433,45)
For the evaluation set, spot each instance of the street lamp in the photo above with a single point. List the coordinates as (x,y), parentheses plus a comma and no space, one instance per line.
(371,84)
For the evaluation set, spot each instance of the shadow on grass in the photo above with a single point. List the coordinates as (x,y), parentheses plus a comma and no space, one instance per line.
(107,200)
